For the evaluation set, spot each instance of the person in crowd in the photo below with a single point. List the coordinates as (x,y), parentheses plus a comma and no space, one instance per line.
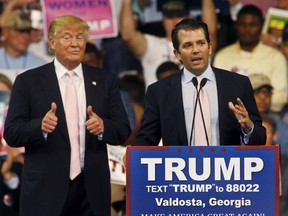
(169,103)
(11,160)
(263,91)
(16,33)
(132,83)
(271,129)
(93,56)
(65,131)
(11,167)
(236,5)
(9,6)
(38,45)
(283,130)
(166,69)
(284,186)
(33,7)
(276,129)
(249,55)
(284,43)
(272,133)
(153,50)
(269,38)
(118,57)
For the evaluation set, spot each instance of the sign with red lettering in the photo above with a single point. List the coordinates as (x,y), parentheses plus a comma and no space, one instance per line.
(203,181)
(99,14)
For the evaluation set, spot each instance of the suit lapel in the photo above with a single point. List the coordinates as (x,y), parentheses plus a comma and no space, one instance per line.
(91,84)
(175,101)
(222,91)
(51,89)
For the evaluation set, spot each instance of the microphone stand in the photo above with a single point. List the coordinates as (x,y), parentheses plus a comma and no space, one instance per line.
(195,83)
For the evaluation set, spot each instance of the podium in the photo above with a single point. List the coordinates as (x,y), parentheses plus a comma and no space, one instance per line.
(202,181)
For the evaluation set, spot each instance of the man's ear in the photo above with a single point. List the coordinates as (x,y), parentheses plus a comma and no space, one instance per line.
(177,54)
(210,47)
(52,44)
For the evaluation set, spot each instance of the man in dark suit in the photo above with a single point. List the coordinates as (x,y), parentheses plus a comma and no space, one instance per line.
(170,102)
(38,120)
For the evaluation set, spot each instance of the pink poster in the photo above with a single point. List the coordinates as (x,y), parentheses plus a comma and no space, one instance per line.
(99,14)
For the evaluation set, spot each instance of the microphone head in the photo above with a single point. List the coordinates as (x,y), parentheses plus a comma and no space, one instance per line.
(195,82)
(203,82)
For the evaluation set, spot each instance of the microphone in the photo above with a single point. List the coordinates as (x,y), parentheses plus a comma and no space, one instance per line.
(202,84)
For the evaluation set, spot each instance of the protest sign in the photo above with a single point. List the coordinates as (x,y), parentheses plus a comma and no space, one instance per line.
(99,14)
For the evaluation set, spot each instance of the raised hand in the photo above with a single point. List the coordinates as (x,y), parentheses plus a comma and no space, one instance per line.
(94,124)
(49,122)
(242,115)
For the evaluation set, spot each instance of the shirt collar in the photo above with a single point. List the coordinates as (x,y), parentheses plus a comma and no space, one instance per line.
(61,70)
(187,75)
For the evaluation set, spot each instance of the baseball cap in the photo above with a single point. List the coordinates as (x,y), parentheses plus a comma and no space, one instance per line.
(19,20)
(175,8)
(259,80)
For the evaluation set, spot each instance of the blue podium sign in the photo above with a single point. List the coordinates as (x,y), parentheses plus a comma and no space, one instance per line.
(203,181)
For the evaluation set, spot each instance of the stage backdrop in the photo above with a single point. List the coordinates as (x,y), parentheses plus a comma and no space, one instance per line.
(203,181)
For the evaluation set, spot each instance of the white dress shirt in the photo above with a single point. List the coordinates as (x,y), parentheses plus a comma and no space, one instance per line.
(81,98)
(189,98)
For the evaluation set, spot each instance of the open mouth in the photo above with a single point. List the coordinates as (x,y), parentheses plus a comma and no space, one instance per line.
(197,59)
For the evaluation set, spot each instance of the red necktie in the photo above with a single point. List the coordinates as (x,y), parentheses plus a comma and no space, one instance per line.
(72,118)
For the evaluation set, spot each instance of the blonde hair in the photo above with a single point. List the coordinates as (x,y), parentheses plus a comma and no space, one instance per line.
(62,22)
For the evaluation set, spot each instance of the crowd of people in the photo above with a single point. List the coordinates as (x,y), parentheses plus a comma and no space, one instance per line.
(140,58)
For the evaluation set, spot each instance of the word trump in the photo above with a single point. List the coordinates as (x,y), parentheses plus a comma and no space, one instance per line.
(99,24)
(228,170)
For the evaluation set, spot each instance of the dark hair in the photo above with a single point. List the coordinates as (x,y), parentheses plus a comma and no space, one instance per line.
(285,34)
(251,9)
(134,85)
(188,24)
(91,48)
(166,66)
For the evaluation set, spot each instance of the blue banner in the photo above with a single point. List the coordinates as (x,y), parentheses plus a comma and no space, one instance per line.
(203,181)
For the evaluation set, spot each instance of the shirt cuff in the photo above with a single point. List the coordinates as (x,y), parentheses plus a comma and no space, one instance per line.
(100,137)
(45,135)
(247,136)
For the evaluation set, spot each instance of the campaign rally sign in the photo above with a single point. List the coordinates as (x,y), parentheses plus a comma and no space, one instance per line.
(203,181)
(99,14)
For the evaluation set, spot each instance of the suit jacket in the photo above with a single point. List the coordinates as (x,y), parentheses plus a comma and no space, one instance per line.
(164,112)
(45,178)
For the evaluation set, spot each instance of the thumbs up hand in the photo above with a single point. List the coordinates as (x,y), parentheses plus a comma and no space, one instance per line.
(49,122)
(94,124)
